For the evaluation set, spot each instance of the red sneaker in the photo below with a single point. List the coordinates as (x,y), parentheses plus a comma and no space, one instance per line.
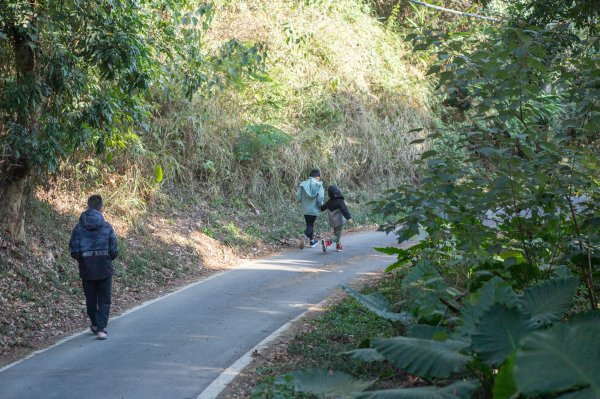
(338,247)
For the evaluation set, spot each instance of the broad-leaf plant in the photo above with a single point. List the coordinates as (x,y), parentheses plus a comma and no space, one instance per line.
(501,285)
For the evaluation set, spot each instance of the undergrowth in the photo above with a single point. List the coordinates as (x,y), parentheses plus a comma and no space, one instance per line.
(339,93)
(322,342)
(213,177)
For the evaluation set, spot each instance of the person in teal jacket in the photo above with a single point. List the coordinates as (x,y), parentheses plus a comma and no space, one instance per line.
(311,195)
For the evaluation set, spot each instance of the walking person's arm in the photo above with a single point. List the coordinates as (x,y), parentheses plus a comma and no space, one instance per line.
(320,196)
(74,246)
(113,246)
(345,211)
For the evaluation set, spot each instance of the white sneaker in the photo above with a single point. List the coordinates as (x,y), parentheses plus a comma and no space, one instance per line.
(102,335)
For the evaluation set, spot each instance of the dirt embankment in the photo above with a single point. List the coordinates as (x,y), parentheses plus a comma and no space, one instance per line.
(41,299)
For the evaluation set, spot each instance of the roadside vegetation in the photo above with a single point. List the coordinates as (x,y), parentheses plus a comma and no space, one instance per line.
(500,297)
(322,341)
(235,102)
(196,121)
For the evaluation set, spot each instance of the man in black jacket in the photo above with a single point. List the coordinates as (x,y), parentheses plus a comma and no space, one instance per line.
(94,245)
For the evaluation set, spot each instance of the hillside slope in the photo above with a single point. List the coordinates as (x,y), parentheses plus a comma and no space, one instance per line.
(338,94)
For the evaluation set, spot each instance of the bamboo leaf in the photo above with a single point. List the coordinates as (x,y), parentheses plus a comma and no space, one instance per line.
(158,174)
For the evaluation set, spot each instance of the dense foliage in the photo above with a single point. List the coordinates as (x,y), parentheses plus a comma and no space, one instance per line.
(216,169)
(77,74)
(502,286)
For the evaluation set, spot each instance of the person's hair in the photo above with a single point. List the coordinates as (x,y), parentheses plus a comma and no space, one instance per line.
(95,202)
(334,190)
(315,173)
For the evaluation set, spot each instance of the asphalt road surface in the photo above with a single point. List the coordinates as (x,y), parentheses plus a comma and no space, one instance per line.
(176,346)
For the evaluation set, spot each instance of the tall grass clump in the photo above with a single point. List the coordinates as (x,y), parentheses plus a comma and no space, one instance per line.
(198,178)
(337,94)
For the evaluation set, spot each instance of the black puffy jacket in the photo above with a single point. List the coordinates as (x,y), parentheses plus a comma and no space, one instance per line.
(94,244)
(336,201)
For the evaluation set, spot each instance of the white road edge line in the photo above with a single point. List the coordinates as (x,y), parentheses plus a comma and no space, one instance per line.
(129,311)
(246,263)
(221,382)
(143,305)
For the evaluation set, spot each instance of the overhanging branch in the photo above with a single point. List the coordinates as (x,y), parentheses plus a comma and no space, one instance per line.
(466,14)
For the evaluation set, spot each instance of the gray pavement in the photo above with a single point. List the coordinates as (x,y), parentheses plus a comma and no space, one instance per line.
(175,347)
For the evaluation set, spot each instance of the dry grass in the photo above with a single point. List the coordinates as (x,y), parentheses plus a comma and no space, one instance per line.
(40,290)
(339,86)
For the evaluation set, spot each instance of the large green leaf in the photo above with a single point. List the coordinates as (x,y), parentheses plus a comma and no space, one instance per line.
(505,386)
(494,291)
(458,390)
(498,334)
(391,250)
(323,382)
(427,332)
(581,394)
(547,302)
(559,359)
(423,357)
(590,315)
(377,304)
(403,255)
(423,286)
(365,355)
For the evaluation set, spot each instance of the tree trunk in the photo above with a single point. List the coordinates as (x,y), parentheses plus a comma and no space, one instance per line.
(15,187)
(16,172)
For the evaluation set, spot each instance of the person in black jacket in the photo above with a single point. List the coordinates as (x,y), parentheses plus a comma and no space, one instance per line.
(94,245)
(338,213)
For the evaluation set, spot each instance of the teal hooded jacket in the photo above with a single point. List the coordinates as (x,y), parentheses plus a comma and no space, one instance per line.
(311,195)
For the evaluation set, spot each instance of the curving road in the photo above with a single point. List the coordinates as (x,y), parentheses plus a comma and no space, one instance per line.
(176,346)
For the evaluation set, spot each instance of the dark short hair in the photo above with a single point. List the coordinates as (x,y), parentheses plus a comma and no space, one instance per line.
(315,173)
(95,202)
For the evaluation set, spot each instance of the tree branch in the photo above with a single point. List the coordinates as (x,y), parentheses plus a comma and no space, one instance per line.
(587,274)
(466,14)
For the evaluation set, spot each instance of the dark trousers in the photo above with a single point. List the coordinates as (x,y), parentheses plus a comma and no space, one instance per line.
(97,301)
(310,226)
(337,234)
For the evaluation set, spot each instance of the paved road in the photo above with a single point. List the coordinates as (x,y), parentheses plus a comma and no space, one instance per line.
(175,347)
